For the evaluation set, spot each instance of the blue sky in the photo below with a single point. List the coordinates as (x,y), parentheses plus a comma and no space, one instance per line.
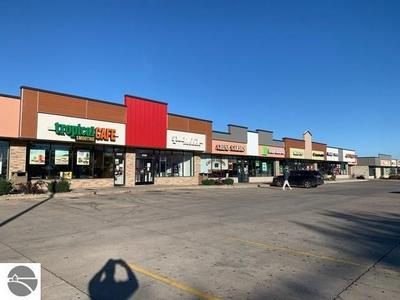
(331,67)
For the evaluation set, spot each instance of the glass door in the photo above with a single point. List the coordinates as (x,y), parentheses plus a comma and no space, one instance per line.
(144,171)
(119,169)
(243,170)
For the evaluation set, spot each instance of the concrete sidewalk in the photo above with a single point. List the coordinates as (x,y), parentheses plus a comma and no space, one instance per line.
(151,188)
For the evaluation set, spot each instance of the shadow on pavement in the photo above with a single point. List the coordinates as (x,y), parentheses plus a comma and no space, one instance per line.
(367,238)
(25,211)
(104,286)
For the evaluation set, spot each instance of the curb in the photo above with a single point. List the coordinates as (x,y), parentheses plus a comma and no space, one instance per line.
(117,191)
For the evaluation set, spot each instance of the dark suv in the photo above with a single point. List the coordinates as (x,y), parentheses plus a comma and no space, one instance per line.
(305,179)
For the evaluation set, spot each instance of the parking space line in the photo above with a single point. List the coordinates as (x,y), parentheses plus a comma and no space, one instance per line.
(296,252)
(172,282)
(309,254)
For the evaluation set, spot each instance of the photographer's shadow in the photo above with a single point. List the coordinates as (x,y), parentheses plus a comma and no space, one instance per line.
(104,286)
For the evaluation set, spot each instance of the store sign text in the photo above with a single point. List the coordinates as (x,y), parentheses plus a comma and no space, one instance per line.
(297,153)
(71,129)
(233,148)
(87,134)
(186,140)
(318,155)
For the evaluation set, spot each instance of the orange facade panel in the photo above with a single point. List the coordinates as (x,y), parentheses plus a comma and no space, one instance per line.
(187,124)
(29,106)
(61,105)
(106,112)
(9,116)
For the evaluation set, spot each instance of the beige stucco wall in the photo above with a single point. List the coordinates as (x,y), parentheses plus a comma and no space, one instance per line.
(266,179)
(17,158)
(359,170)
(308,145)
(9,116)
(92,183)
(130,166)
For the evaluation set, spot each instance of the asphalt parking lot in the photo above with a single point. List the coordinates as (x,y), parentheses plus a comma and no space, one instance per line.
(338,241)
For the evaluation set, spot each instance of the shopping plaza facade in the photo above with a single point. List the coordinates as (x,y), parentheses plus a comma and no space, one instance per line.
(46,135)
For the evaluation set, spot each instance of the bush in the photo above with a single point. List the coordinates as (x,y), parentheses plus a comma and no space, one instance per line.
(59,186)
(228,181)
(208,182)
(360,177)
(395,176)
(5,187)
(32,188)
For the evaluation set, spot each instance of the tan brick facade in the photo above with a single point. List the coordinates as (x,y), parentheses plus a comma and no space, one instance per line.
(130,166)
(92,183)
(17,158)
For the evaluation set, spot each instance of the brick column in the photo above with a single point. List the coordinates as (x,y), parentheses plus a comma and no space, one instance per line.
(17,158)
(197,167)
(276,168)
(130,167)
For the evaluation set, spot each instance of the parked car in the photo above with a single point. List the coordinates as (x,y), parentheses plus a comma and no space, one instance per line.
(305,179)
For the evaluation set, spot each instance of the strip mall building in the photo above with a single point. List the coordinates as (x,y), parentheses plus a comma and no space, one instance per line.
(47,135)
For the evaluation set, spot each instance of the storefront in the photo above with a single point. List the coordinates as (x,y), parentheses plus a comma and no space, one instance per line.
(381,166)
(333,165)
(72,137)
(304,154)
(48,135)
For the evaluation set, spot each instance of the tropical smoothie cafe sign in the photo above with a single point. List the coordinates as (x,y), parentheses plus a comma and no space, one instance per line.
(71,129)
(85,134)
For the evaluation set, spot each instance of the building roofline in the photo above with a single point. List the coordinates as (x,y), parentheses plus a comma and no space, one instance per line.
(263,130)
(188,117)
(223,132)
(233,125)
(146,99)
(10,96)
(71,95)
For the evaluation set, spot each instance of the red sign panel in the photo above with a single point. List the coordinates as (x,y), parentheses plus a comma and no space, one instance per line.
(146,123)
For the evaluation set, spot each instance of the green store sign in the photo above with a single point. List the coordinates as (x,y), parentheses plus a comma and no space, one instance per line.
(88,134)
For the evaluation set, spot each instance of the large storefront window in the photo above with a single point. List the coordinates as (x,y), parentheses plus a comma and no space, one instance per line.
(173,164)
(333,168)
(4,146)
(167,163)
(261,167)
(48,161)
(232,166)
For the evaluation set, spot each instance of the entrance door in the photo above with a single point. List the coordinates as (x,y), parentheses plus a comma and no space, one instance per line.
(243,170)
(144,171)
(119,168)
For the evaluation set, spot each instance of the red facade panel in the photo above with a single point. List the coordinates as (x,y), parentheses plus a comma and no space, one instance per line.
(146,123)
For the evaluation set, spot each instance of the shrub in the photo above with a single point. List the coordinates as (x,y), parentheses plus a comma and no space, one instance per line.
(228,181)
(5,187)
(59,186)
(360,177)
(32,188)
(208,182)
(395,176)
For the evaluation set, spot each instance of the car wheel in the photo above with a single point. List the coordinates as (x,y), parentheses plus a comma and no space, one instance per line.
(279,183)
(307,184)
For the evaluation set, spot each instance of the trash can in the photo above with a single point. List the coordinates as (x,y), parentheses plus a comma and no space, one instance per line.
(19,177)
(202,176)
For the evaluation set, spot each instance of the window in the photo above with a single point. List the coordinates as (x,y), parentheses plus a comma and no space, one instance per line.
(47,161)
(260,168)
(172,163)
(3,159)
